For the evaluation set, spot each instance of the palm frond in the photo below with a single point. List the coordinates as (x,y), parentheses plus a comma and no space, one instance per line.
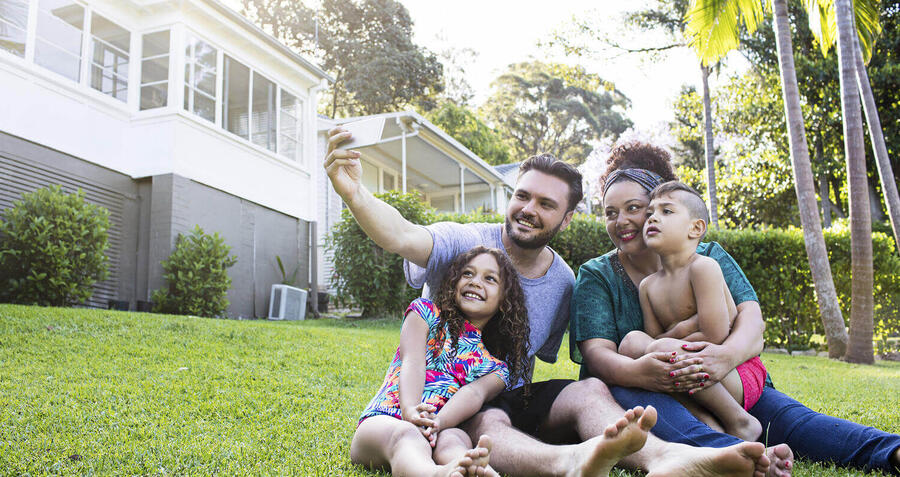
(713,26)
(823,24)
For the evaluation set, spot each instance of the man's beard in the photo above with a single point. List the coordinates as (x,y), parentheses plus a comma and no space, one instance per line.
(538,241)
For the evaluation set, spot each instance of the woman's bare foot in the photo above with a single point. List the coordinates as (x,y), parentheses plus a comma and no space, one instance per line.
(739,460)
(624,437)
(781,461)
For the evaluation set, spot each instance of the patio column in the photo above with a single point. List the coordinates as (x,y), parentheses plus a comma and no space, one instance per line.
(403,151)
(462,189)
(493,198)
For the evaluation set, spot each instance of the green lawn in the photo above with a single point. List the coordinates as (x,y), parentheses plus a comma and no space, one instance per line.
(98,392)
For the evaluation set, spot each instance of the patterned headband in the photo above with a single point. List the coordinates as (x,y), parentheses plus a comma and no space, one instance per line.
(646,179)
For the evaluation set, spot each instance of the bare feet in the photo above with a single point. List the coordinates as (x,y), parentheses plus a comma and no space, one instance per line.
(480,456)
(739,460)
(457,468)
(624,437)
(781,461)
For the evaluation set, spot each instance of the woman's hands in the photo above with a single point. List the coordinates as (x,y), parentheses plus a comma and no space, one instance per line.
(717,361)
(669,372)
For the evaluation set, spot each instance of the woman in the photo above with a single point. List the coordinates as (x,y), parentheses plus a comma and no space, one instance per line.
(605,308)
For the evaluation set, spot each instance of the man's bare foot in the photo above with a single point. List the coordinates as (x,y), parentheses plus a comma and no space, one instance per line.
(597,456)
(480,455)
(456,468)
(740,460)
(781,461)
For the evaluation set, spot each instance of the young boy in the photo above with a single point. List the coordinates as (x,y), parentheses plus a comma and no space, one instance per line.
(686,286)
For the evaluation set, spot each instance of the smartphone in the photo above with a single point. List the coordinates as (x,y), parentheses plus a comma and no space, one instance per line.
(364,132)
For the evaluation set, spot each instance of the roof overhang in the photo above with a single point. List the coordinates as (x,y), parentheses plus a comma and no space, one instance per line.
(433,156)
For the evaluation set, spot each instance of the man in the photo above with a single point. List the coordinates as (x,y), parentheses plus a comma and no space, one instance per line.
(543,203)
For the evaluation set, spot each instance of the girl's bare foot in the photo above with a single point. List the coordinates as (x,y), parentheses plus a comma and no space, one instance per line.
(624,437)
(781,461)
(480,456)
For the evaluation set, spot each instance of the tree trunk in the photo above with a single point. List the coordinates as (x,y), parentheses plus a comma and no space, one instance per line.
(875,211)
(885,172)
(835,332)
(824,196)
(860,349)
(710,152)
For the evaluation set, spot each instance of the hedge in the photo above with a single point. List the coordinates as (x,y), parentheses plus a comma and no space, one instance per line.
(774,261)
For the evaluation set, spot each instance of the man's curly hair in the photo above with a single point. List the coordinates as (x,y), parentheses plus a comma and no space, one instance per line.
(639,155)
(506,335)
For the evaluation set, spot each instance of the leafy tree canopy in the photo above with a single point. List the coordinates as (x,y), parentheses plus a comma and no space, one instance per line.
(554,108)
(466,127)
(365,44)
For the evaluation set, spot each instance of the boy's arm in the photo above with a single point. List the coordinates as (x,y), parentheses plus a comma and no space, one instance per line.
(381,222)
(682,329)
(713,318)
(411,384)
(467,401)
(651,324)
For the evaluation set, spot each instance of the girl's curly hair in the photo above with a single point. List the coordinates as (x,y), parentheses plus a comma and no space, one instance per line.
(639,155)
(506,335)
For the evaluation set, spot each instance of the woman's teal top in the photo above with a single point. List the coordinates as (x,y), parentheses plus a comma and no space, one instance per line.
(605,303)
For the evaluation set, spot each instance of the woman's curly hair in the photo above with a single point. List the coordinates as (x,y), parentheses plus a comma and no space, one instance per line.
(639,155)
(506,335)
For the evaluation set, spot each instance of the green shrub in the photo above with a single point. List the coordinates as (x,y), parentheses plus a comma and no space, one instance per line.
(582,240)
(775,262)
(197,277)
(364,274)
(52,248)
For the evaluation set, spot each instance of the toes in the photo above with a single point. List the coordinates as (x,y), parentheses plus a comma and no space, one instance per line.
(485,442)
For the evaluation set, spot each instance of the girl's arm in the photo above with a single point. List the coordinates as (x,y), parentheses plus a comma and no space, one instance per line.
(467,401)
(413,337)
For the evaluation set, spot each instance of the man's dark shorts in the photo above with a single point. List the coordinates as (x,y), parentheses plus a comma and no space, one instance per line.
(528,414)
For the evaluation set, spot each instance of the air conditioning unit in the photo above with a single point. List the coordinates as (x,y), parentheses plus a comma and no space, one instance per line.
(287,303)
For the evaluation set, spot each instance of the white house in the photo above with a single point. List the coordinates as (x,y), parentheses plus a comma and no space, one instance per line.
(171,113)
(414,155)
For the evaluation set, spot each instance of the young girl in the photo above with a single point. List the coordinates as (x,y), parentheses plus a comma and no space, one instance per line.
(454,356)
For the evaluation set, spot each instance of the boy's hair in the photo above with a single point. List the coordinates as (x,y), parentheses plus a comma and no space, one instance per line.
(506,336)
(693,200)
(550,165)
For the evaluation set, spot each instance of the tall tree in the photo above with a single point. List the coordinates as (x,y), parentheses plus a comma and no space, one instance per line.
(713,27)
(558,109)
(664,16)
(365,44)
(861,301)
(466,127)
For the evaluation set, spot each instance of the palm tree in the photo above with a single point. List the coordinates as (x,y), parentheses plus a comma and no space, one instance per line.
(713,27)
(710,151)
(861,300)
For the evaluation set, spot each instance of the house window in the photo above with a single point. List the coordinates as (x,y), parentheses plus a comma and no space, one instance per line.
(290,137)
(236,103)
(388,181)
(200,79)
(369,176)
(263,119)
(13,22)
(155,70)
(59,30)
(109,64)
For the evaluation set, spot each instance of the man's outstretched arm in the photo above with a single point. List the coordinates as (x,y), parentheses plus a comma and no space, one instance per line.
(381,222)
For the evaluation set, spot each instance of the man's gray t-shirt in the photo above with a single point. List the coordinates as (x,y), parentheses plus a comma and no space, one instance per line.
(546,298)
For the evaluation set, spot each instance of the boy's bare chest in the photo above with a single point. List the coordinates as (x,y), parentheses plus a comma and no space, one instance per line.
(672,299)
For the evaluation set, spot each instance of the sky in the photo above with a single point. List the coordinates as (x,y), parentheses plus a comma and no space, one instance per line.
(502,32)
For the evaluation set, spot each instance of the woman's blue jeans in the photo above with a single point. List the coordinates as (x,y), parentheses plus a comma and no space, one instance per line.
(810,435)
